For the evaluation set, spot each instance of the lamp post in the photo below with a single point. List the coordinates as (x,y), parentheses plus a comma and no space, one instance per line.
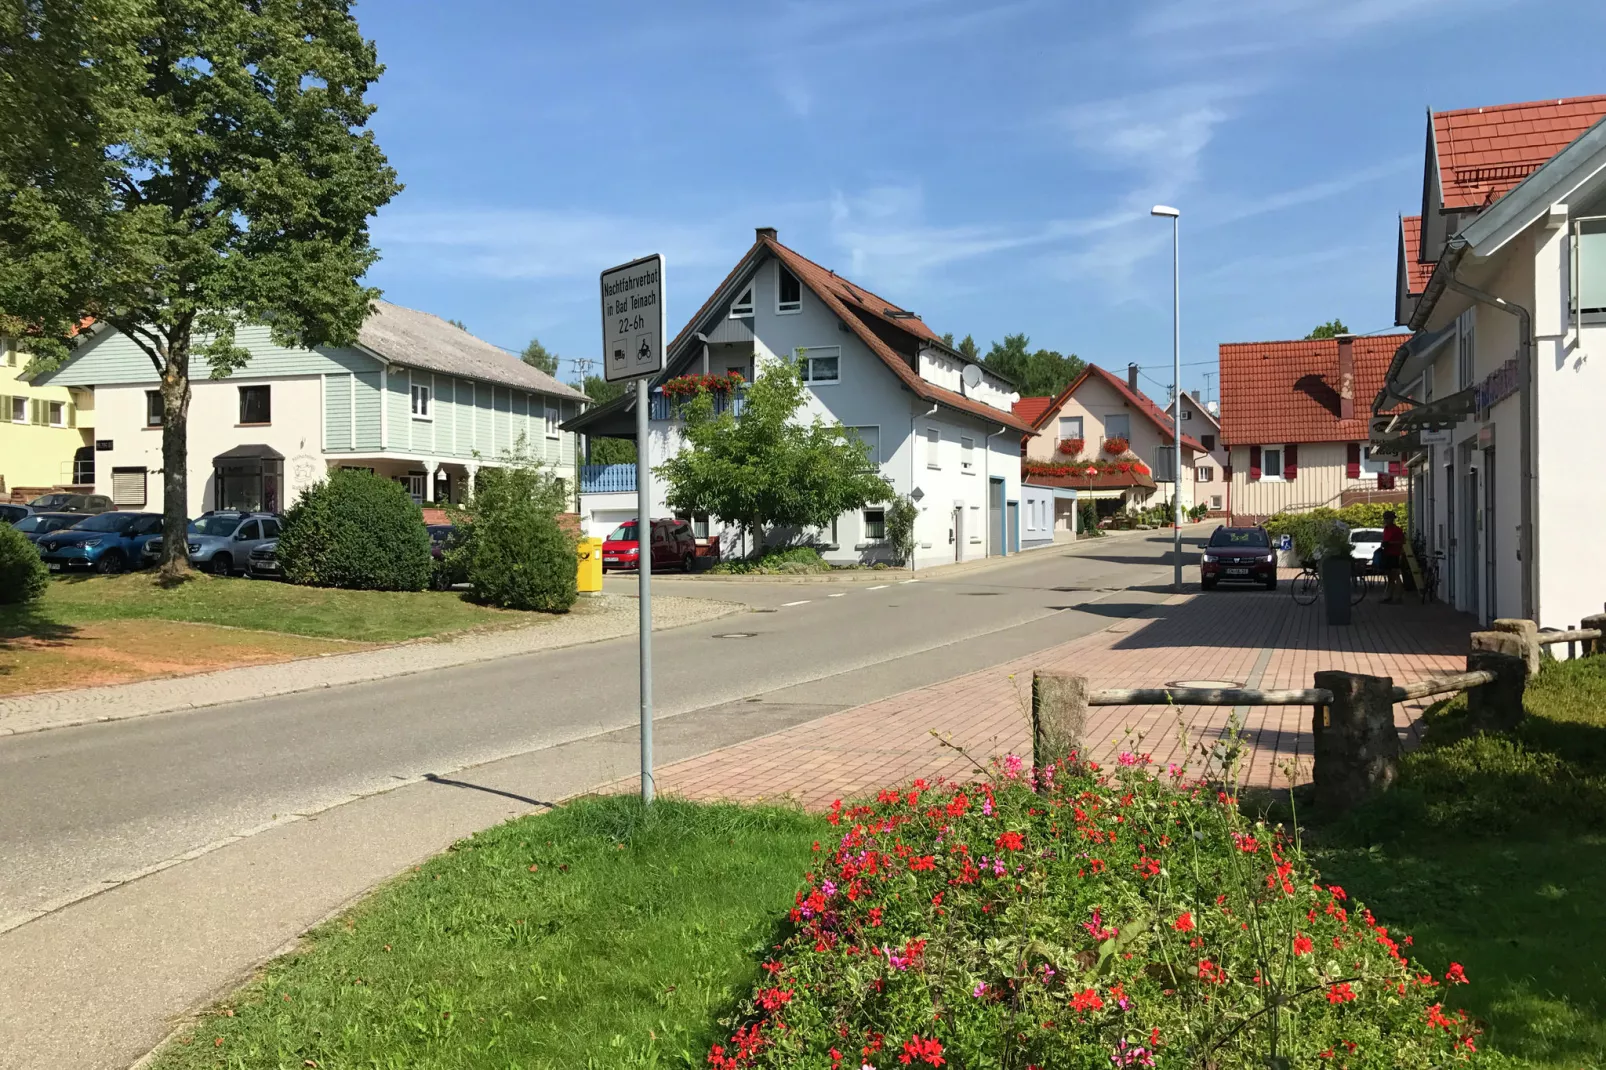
(1176,392)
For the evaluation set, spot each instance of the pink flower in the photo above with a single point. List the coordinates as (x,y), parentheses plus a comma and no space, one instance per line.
(979,990)
(1127,758)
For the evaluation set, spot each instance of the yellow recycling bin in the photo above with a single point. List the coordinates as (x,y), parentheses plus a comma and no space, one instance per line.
(589,579)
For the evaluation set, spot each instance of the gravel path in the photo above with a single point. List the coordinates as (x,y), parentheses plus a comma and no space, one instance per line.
(602,617)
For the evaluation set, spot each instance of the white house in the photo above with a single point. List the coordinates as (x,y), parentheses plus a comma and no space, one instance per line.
(1504,377)
(415,398)
(869,364)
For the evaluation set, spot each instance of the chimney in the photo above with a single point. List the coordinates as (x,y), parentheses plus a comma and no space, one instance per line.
(1346,377)
(766,232)
(1132,378)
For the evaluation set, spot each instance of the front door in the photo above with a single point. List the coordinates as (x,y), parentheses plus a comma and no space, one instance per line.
(1447,577)
(995,518)
(1469,541)
(958,533)
(1491,589)
(1014,528)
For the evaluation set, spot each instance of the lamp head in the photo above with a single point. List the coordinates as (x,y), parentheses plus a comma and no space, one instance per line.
(1164,209)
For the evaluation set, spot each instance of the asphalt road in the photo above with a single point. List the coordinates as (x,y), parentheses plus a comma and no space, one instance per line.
(87,807)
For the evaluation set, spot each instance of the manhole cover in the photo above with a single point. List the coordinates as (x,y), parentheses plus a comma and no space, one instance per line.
(735,635)
(1204,683)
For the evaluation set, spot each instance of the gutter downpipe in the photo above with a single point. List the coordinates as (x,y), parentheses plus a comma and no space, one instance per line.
(914,459)
(987,474)
(1525,538)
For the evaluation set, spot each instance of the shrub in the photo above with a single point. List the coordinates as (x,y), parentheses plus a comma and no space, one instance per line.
(1125,920)
(900,518)
(1088,519)
(1309,528)
(356,530)
(23,576)
(797,559)
(518,555)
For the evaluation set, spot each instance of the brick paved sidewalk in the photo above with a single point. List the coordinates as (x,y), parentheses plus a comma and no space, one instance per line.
(1253,639)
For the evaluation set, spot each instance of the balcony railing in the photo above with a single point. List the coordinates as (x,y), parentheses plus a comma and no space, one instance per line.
(664,408)
(607,478)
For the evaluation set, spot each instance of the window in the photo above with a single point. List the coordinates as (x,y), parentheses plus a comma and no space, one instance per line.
(1205,473)
(250,530)
(933,448)
(421,403)
(1215,501)
(417,484)
(1589,274)
(743,305)
(128,486)
(788,291)
(270,529)
(1187,414)
(153,408)
(1208,442)
(967,455)
(698,523)
(1464,344)
(1271,463)
(875,525)
(1372,467)
(554,416)
(256,405)
(1118,425)
(58,414)
(1070,427)
(871,437)
(1165,464)
(19,410)
(820,364)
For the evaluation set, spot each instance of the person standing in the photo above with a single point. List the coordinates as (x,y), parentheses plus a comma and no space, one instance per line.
(1393,549)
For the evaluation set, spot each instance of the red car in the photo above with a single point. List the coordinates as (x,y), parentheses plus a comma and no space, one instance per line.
(673,546)
(1239,555)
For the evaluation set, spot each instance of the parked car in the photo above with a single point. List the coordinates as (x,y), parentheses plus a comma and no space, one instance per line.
(263,562)
(1238,555)
(673,546)
(221,541)
(36,526)
(63,502)
(1364,544)
(105,542)
(11,513)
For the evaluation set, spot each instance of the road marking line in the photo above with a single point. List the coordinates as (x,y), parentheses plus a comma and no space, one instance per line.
(879,587)
(908,581)
(839,594)
(799,602)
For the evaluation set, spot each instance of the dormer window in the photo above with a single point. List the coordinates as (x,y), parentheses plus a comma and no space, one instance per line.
(743,305)
(788,292)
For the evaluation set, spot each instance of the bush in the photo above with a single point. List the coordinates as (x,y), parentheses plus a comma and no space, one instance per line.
(1308,528)
(518,555)
(798,559)
(1125,920)
(1088,520)
(23,576)
(356,530)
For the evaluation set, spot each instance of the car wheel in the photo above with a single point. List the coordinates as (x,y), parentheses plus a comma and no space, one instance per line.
(1271,584)
(222,564)
(1207,585)
(110,563)
(688,562)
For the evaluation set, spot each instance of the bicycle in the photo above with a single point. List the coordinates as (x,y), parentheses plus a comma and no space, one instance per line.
(1430,576)
(1307,586)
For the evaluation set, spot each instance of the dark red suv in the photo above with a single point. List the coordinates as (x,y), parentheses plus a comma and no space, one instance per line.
(1238,555)
(673,546)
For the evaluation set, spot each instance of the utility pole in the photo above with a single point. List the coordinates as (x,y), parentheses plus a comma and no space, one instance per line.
(1176,394)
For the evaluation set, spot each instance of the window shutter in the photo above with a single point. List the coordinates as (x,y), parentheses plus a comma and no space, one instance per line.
(1352,461)
(72,415)
(1254,463)
(128,486)
(1291,461)
(1385,482)
(1394,468)
(1226,473)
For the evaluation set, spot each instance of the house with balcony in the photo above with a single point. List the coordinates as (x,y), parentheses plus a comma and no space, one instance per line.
(414,398)
(1116,442)
(1491,404)
(1294,425)
(46,431)
(945,438)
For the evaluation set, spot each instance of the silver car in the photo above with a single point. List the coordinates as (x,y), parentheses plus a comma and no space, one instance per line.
(222,542)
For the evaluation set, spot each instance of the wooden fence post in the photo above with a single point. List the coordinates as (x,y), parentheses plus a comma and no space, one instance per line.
(1059,716)
(1357,747)
(1527,645)
(1497,706)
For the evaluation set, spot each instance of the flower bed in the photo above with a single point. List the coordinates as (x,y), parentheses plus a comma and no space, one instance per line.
(1083,469)
(687,386)
(1125,920)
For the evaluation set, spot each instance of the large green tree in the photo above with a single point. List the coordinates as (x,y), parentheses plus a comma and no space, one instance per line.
(536,356)
(1034,373)
(967,345)
(1330,329)
(766,468)
(175,168)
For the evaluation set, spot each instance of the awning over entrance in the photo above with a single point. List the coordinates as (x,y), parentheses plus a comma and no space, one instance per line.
(1435,415)
(246,454)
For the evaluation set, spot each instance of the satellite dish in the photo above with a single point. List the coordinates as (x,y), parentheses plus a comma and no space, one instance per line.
(971,376)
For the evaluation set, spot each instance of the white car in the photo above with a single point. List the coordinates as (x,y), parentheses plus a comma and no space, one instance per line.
(1364,544)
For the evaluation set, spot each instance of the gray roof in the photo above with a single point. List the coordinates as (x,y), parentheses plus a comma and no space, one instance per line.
(420,340)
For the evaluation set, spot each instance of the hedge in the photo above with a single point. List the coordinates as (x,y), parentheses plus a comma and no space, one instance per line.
(23,575)
(1121,918)
(1306,527)
(356,530)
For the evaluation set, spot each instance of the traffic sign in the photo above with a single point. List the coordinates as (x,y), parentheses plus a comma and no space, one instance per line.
(633,319)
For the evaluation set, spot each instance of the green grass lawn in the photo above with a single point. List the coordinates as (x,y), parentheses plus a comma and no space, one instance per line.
(597,935)
(1492,853)
(362,616)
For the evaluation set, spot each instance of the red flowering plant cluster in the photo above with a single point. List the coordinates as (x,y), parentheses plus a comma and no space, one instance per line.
(689,386)
(1116,445)
(1083,917)
(1079,469)
(1072,447)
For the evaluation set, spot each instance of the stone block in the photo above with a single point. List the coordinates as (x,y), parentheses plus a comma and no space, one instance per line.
(1593,646)
(1529,632)
(1059,716)
(1357,748)
(1497,706)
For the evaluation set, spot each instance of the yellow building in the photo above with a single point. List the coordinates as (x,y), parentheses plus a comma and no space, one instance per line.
(46,432)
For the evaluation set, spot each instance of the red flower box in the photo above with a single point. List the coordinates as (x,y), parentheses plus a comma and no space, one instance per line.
(1116,445)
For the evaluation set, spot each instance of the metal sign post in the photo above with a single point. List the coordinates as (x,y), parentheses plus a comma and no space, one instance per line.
(633,348)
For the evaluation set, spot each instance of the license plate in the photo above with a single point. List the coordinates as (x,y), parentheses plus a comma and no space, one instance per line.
(1237,572)
(54,567)
(614,560)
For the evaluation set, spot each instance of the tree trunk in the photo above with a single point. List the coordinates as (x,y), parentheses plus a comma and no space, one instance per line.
(175,458)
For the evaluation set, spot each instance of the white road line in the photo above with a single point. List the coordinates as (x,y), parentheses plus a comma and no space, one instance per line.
(879,587)
(839,594)
(908,581)
(799,602)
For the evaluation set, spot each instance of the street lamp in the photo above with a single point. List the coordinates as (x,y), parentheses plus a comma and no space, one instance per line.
(1176,393)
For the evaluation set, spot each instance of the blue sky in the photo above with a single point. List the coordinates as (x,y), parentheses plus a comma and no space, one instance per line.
(988,164)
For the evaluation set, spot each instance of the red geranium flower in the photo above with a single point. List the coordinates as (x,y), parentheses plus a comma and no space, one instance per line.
(1010,841)
(1303,945)
(1340,993)
(1184,924)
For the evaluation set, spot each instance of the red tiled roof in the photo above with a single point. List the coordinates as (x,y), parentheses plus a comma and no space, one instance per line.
(1029,409)
(1417,273)
(1288,391)
(1484,152)
(1155,414)
(840,295)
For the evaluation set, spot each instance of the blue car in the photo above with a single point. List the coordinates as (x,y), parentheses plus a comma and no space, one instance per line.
(106,542)
(36,526)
